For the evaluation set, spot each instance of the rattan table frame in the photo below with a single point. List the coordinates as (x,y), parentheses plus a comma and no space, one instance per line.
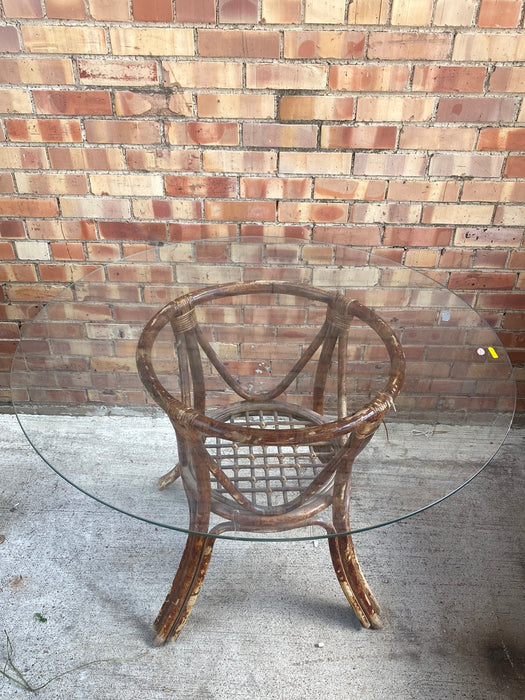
(262,464)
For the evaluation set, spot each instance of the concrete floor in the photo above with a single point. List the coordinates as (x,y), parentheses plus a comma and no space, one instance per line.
(80,583)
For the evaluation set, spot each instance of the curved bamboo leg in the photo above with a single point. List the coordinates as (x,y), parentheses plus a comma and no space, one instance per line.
(348,571)
(352,581)
(185,588)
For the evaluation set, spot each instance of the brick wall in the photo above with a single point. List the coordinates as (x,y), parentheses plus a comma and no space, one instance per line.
(394,125)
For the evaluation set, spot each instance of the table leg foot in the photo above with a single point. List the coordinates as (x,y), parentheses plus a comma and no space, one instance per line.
(185,588)
(352,581)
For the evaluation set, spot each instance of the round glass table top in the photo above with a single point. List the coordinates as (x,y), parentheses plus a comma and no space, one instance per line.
(81,403)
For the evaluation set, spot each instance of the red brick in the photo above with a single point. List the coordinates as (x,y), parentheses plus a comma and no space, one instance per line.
(118,131)
(103,252)
(65,9)
(26,206)
(423,236)
(9,40)
(295,212)
(393,46)
(151,41)
(437,138)
(61,229)
(455,258)
(67,250)
(238,11)
(130,104)
(339,188)
(422,258)
(54,130)
(152,10)
(515,166)
(481,280)
(514,321)
(30,9)
(507,79)
(47,183)
(6,253)
(167,209)
(498,191)
(490,236)
(332,12)
(17,272)
(257,162)
(9,331)
(238,43)
(15,101)
(411,12)
(489,46)
(110,10)
(318,107)
(275,231)
(64,273)
(162,159)
(462,79)
(395,108)
(517,260)
(37,71)
(275,188)
(72,102)
(200,186)
(454,14)
(390,164)
(235,106)
(35,292)
(51,38)
(202,74)
(212,252)
(126,184)
(281,11)
(23,157)
(358,137)
(491,259)
(369,78)
(500,300)
(132,231)
(92,71)
(86,158)
(476,109)
(290,76)
(370,12)
(139,248)
(95,208)
(466,165)
(195,11)
(423,190)
(383,212)
(196,231)
(6,183)
(272,316)
(280,135)
(499,13)
(496,139)
(303,162)
(457,214)
(202,133)
(322,44)
(507,215)
(240,211)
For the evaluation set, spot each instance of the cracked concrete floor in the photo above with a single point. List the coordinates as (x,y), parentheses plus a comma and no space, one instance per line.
(80,583)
